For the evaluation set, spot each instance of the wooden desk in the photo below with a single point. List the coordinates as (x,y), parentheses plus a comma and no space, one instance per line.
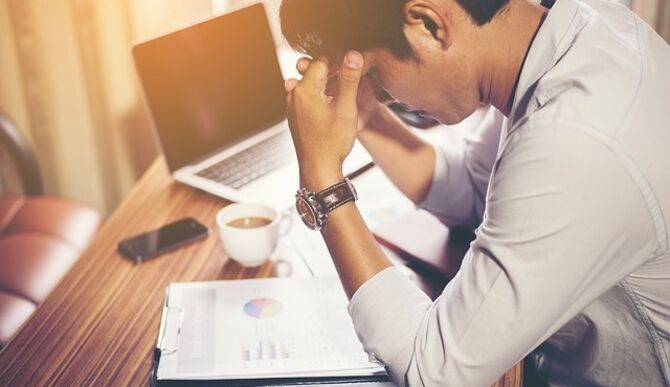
(99,325)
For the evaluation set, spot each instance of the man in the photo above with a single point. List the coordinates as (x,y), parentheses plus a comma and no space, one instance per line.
(569,192)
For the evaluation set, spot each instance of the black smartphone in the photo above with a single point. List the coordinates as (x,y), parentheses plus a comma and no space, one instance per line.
(169,237)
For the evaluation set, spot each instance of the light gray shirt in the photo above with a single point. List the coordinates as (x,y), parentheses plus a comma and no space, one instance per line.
(571,200)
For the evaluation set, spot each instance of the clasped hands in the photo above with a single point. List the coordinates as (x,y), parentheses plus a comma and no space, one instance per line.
(323,126)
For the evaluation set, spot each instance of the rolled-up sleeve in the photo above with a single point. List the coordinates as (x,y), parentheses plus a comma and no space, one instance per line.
(395,291)
(461,174)
(554,238)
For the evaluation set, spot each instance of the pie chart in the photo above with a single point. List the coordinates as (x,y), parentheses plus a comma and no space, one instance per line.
(262,308)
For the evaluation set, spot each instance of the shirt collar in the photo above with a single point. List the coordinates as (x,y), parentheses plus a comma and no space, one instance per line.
(551,42)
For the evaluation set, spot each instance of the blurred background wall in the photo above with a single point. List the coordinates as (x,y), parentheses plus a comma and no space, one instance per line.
(67,79)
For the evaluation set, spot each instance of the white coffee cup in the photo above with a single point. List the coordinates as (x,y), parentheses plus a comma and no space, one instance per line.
(251,246)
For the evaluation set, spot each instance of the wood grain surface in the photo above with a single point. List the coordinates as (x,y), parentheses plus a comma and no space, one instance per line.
(99,326)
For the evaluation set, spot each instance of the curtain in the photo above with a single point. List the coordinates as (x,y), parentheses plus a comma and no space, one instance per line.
(656,13)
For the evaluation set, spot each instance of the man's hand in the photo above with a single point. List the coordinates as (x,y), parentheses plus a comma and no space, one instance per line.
(368,100)
(324,127)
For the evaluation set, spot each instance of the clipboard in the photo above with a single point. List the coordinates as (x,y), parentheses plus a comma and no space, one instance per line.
(168,342)
(372,381)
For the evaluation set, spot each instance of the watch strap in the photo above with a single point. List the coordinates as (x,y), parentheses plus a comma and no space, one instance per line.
(336,195)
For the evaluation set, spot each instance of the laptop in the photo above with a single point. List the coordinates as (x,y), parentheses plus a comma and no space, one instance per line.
(216,95)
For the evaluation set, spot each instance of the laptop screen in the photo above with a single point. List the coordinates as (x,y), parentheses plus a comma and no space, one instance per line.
(212,84)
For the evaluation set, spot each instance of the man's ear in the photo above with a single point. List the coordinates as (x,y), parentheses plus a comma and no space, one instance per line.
(425,22)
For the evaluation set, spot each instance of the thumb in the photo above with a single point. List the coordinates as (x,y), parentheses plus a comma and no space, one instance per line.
(350,77)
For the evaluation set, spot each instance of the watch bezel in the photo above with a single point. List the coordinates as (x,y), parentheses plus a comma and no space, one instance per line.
(318,213)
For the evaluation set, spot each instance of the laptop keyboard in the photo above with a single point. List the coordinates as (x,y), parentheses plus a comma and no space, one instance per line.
(252,163)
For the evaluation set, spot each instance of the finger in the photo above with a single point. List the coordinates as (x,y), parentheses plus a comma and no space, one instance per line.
(317,75)
(303,64)
(350,77)
(290,84)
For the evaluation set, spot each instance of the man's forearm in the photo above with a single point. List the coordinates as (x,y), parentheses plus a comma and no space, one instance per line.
(355,252)
(405,158)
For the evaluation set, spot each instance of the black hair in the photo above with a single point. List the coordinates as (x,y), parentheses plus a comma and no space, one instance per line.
(327,27)
(482,11)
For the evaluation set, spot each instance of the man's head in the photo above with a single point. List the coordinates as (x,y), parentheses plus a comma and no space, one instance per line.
(423,53)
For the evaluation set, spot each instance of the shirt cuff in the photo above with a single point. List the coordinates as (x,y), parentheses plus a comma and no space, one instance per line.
(387,311)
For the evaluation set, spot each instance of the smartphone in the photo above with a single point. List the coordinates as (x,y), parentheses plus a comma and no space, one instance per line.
(167,238)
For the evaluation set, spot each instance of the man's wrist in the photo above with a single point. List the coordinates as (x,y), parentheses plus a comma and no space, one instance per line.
(317,180)
(317,184)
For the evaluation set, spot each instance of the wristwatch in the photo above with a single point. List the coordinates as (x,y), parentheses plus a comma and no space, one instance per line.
(314,208)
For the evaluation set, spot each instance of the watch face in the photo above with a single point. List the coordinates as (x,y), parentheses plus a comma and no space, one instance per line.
(306,213)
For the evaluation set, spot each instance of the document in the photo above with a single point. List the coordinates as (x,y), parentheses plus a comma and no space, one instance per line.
(260,328)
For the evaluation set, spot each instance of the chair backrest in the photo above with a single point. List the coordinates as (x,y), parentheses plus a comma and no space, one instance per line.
(22,155)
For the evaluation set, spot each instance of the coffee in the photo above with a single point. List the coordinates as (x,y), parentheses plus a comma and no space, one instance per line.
(249,222)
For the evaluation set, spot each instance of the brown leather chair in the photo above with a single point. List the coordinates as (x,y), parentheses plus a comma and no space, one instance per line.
(40,236)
